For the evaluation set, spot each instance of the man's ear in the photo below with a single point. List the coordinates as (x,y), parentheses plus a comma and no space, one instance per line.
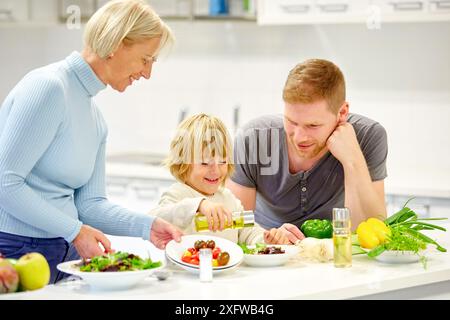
(343,112)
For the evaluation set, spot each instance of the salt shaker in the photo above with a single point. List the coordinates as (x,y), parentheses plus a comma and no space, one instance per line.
(206,268)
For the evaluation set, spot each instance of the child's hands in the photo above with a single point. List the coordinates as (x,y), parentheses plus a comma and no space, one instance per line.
(217,215)
(276,236)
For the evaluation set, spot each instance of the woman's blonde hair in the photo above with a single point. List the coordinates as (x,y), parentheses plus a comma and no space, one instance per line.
(127,22)
(313,80)
(198,136)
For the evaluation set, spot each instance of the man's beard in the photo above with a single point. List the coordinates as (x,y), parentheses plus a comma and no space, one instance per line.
(309,154)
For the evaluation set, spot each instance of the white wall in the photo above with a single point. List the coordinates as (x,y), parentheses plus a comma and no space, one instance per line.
(399,75)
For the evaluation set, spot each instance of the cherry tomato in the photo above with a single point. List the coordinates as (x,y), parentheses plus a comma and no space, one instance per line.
(215,253)
(223,258)
(195,261)
(210,244)
(192,250)
(199,244)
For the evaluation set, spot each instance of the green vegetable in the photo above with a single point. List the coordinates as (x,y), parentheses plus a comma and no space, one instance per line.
(247,250)
(316,228)
(119,261)
(405,227)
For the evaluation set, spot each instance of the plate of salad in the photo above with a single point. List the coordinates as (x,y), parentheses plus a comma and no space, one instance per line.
(113,271)
(265,255)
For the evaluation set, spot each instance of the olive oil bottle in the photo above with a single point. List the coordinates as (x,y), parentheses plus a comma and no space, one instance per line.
(342,238)
(241,219)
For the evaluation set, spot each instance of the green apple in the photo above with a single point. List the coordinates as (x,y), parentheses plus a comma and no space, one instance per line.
(9,278)
(34,271)
(12,261)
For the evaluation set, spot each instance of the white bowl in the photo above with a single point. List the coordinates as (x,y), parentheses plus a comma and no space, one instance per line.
(175,250)
(271,260)
(107,280)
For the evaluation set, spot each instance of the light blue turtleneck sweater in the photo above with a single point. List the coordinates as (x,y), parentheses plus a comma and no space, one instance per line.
(52,157)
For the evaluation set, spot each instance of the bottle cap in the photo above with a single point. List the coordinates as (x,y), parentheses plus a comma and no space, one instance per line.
(341,214)
(248,215)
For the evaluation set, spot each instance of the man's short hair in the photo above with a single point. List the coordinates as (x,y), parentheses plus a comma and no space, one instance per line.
(314,80)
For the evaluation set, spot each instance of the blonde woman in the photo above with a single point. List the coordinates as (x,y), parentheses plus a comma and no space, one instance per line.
(201,160)
(52,143)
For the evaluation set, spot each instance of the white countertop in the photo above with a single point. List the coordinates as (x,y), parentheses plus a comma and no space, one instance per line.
(295,280)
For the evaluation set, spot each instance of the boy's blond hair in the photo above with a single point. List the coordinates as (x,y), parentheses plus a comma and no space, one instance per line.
(127,22)
(197,136)
(313,80)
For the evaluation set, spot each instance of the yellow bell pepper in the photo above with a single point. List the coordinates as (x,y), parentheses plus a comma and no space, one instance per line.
(380,228)
(372,232)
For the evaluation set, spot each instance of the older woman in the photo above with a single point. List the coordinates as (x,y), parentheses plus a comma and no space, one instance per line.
(52,143)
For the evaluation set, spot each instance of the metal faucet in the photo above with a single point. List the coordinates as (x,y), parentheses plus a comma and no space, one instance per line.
(236,111)
(183,114)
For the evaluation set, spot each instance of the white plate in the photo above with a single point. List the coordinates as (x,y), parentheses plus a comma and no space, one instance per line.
(194,269)
(397,257)
(175,250)
(271,260)
(107,280)
(392,256)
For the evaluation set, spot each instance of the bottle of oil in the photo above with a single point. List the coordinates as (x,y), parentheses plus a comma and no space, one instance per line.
(342,238)
(241,219)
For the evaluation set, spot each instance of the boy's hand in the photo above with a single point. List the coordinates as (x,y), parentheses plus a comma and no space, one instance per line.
(276,236)
(216,214)
(293,233)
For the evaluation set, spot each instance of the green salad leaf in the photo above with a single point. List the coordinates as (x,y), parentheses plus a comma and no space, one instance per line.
(116,262)
(247,250)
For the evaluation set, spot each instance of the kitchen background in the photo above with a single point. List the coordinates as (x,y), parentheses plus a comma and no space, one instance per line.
(395,56)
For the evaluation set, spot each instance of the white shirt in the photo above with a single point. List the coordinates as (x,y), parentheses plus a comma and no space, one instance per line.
(179,205)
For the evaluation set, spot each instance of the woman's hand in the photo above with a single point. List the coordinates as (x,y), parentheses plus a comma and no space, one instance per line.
(162,232)
(87,242)
(216,214)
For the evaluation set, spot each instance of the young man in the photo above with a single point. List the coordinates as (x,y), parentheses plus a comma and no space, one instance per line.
(300,165)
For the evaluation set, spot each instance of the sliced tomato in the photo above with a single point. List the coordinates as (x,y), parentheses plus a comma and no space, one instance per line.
(192,250)
(186,259)
(195,261)
(195,256)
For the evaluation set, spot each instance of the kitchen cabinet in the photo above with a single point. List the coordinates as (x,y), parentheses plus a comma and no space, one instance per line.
(62,11)
(14,10)
(244,10)
(370,12)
